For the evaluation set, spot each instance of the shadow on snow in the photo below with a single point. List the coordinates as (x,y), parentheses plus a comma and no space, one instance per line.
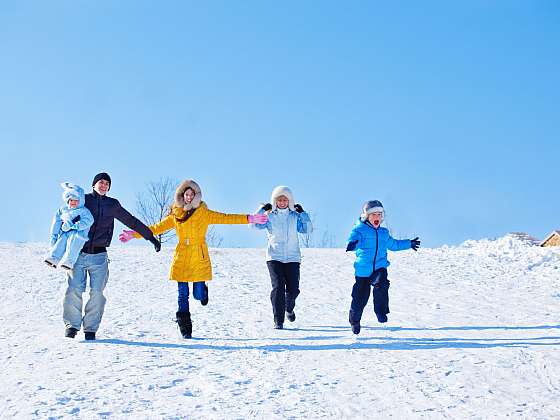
(360,342)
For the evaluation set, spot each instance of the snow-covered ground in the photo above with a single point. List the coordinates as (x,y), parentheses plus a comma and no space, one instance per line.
(474,332)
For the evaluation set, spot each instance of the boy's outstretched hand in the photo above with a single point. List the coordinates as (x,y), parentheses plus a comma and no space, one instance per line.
(298,208)
(415,243)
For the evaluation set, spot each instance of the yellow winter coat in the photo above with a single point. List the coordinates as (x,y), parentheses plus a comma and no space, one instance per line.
(191,261)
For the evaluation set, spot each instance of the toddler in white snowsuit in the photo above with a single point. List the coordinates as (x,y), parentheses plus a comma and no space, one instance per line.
(69,228)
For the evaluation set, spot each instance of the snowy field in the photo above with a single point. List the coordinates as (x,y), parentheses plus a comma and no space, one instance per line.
(474,332)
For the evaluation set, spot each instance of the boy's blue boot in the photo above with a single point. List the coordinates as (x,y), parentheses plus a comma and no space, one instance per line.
(291,316)
(381,317)
(355,324)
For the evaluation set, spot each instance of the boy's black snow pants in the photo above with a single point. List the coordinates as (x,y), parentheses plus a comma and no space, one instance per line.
(360,296)
(285,287)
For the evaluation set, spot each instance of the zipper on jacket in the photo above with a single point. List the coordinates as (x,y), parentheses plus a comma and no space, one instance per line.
(376,248)
(91,246)
(287,220)
(376,242)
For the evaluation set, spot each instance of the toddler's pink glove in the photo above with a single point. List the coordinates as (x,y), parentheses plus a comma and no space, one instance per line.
(258,219)
(126,236)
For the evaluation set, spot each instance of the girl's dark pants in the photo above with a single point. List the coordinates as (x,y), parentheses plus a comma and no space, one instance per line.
(360,296)
(285,287)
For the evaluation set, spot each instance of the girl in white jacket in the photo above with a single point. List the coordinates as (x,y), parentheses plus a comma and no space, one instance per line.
(283,256)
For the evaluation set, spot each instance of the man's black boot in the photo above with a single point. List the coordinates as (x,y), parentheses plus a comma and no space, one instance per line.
(70,332)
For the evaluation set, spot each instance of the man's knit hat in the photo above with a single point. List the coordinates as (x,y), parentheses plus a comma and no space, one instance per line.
(102,175)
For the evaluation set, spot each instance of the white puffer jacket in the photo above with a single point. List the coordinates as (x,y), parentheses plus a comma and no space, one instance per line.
(283,227)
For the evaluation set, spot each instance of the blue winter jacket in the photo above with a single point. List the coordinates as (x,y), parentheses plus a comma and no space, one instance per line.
(282,228)
(371,246)
(66,219)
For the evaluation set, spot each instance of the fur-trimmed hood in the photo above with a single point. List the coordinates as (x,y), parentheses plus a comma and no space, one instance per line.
(180,191)
(73,191)
(285,191)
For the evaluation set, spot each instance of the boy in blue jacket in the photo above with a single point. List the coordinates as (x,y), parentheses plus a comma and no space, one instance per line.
(371,241)
(69,228)
(285,220)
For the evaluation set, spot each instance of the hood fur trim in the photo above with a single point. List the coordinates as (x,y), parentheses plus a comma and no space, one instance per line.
(180,191)
(285,191)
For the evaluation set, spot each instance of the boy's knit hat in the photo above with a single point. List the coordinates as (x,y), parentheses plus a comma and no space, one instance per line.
(373,206)
(102,175)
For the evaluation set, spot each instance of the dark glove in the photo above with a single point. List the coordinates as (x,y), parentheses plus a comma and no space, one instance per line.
(157,244)
(267,207)
(415,243)
(298,208)
(351,246)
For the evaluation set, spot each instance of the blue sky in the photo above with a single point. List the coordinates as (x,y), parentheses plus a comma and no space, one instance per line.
(446,112)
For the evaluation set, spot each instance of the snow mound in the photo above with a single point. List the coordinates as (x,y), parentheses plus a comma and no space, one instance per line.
(519,251)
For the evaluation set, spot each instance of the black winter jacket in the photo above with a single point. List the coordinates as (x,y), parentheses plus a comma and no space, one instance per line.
(105,210)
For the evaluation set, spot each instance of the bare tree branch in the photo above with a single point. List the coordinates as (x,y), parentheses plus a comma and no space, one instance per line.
(307,239)
(213,239)
(318,238)
(154,204)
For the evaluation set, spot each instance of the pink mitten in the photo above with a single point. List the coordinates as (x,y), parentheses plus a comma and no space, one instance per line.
(258,219)
(126,236)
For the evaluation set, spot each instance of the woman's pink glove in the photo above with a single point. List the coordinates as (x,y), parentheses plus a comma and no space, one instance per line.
(258,219)
(126,236)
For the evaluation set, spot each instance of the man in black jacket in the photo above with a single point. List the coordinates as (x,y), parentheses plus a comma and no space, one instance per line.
(93,259)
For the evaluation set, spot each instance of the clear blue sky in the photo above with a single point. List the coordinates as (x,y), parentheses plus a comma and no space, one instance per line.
(448,112)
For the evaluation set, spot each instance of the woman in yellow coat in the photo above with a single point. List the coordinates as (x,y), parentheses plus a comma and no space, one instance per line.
(191,262)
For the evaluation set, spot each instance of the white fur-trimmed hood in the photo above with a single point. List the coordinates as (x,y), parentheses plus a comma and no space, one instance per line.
(285,191)
(180,191)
